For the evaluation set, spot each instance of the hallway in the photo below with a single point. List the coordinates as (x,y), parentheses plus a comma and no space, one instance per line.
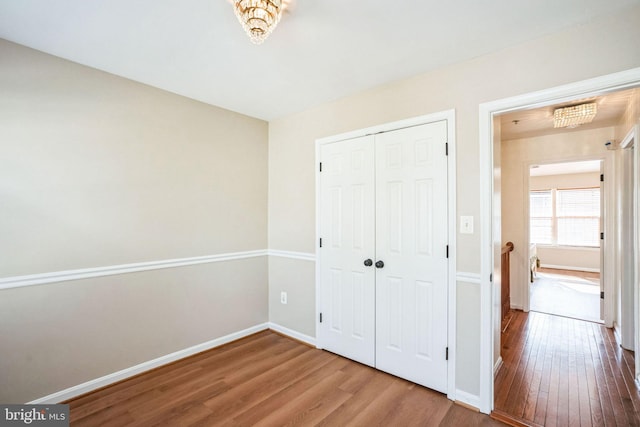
(559,371)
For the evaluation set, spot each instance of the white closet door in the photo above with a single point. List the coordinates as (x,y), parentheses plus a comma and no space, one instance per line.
(347,229)
(411,240)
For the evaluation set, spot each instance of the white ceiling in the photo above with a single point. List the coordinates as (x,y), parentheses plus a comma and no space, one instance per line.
(322,50)
(539,121)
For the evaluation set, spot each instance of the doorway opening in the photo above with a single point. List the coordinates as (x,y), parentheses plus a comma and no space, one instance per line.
(493,224)
(565,219)
(555,211)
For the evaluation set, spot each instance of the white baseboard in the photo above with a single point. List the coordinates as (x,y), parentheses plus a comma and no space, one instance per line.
(293,334)
(565,267)
(97,383)
(516,306)
(468,399)
(497,366)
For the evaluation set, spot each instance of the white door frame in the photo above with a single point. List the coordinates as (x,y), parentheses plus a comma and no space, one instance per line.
(448,115)
(636,247)
(592,87)
(628,142)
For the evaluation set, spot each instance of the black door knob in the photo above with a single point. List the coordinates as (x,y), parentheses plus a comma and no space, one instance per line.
(368,262)
(379,264)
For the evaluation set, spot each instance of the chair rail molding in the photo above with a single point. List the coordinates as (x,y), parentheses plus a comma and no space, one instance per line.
(85,273)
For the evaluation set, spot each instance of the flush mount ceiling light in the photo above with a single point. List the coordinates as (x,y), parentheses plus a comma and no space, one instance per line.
(258,17)
(574,116)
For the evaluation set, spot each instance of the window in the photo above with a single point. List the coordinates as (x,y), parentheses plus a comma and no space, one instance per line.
(541,217)
(568,217)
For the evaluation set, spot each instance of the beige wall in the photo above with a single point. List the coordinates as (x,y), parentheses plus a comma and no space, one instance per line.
(300,302)
(96,170)
(57,336)
(631,116)
(99,170)
(601,47)
(581,259)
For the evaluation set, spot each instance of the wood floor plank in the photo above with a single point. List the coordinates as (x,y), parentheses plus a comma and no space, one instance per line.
(362,397)
(565,372)
(125,390)
(269,380)
(534,342)
(604,396)
(612,378)
(550,417)
(514,399)
(595,407)
(534,394)
(254,413)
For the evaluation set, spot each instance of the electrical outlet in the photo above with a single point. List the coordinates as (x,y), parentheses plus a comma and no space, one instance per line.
(466,225)
(283,297)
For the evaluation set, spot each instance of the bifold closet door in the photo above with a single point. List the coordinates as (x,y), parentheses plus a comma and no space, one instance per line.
(411,241)
(348,240)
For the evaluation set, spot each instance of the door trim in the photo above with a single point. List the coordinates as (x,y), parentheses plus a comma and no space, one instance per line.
(449,116)
(583,89)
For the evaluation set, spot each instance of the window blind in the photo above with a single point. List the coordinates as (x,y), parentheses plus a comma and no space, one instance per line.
(541,217)
(568,217)
(578,217)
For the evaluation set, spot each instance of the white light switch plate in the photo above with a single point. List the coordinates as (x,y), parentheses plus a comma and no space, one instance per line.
(466,225)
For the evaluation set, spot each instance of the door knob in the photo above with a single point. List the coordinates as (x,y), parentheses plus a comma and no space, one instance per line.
(368,262)
(379,264)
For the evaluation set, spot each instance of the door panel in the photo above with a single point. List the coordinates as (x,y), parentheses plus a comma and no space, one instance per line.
(384,197)
(411,239)
(347,226)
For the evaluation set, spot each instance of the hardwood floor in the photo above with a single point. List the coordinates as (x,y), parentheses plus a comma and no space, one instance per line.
(269,380)
(559,371)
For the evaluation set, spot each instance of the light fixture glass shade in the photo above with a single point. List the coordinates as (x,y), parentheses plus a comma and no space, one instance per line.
(258,17)
(575,115)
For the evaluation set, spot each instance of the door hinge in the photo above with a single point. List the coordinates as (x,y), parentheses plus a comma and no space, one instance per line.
(320,317)
(446,354)
(602,295)
(601,177)
(321,242)
(320,166)
(491,278)
(602,236)
(447,251)
(446,148)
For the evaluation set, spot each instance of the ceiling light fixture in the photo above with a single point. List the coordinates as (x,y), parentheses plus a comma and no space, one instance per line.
(258,17)
(574,116)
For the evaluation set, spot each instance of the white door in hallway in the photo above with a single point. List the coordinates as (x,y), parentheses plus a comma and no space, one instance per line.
(411,241)
(347,230)
(383,266)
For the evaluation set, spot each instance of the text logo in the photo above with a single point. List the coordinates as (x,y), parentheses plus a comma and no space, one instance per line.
(34,415)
